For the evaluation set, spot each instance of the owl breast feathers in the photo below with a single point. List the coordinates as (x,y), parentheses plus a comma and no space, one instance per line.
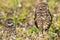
(42,16)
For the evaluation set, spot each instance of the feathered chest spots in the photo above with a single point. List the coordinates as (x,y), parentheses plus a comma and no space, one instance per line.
(42,16)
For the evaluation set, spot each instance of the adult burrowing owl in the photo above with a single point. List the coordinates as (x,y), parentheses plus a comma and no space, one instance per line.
(42,16)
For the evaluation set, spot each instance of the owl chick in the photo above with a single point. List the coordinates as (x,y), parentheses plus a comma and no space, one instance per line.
(42,17)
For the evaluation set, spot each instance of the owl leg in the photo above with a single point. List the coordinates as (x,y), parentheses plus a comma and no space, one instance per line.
(42,32)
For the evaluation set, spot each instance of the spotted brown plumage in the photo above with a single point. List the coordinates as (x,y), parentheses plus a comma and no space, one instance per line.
(9,29)
(42,17)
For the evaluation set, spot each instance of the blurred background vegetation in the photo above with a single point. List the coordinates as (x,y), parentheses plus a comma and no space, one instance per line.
(23,16)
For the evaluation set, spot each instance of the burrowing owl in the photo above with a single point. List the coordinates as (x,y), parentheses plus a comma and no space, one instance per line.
(9,28)
(42,17)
